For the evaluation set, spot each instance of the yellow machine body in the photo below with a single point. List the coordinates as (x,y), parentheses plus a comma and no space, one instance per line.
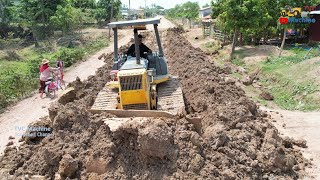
(134,89)
(140,87)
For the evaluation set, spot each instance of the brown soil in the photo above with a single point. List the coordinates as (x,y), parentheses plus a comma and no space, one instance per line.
(255,54)
(233,141)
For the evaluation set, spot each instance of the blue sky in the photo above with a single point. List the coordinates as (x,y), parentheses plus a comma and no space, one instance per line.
(164,3)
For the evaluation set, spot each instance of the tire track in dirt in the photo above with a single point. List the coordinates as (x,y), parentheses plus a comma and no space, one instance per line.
(301,126)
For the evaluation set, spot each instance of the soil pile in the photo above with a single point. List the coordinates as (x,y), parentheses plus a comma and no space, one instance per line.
(222,136)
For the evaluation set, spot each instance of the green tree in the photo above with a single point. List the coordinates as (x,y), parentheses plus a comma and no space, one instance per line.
(87,7)
(206,5)
(37,13)
(252,19)
(83,4)
(153,10)
(188,10)
(67,18)
(107,9)
(7,11)
(249,18)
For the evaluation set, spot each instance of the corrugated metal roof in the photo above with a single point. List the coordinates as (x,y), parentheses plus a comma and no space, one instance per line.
(205,8)
(314,12)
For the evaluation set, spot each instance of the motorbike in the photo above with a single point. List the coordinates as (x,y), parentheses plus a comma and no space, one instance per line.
(51,88)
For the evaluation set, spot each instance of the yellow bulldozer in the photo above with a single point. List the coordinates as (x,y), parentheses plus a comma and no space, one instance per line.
(139,86)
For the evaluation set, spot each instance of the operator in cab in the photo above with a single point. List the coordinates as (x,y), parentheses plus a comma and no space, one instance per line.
(143,48)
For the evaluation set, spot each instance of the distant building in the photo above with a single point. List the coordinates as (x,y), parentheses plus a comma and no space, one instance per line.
(124,13)
(314,29)
(205,12)
(140,13)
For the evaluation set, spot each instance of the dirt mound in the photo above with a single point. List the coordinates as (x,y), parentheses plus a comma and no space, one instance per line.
(222,136)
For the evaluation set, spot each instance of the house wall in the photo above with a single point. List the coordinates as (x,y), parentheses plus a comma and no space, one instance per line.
(314,30)
(205,12)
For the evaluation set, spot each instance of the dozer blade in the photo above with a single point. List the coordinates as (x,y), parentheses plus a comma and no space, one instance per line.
(170,102)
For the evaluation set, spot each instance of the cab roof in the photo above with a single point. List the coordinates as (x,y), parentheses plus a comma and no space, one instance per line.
(134,22)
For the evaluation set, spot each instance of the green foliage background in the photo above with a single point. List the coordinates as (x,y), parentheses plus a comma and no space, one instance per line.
(188,10)
(254,18)
(29,25)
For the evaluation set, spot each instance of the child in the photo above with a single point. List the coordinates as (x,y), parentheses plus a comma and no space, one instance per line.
(60,64)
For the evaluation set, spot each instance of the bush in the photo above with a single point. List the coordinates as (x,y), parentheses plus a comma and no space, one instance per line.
(15,85)
(9,43)
(70,55)
(34,65)
(100,42)
(214,46)
(238,62)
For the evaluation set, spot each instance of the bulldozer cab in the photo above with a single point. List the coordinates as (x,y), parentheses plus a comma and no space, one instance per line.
(140,86)
(137,25)
(155,61)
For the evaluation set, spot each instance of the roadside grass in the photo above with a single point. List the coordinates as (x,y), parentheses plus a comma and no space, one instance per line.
(212,46)
(238,58)
(290,80)
(19,79)
(239,54)
(254,94)
(11,65)
(221,59)
(238,62)
(290,94)
(236,75)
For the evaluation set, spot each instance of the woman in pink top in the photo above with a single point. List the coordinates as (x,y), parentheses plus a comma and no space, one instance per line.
(45,73)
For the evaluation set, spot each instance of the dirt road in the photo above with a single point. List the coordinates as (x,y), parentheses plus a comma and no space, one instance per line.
(15,121)
(165,24)
(300,125)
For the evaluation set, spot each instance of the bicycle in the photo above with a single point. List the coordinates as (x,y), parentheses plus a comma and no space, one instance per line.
(59,80)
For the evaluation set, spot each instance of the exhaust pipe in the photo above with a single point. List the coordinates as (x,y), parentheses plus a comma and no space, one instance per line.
(137,49)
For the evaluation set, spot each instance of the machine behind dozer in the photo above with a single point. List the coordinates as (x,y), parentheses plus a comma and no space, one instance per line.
(140,86)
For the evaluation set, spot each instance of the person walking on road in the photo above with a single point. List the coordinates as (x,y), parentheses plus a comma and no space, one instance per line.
(45,74)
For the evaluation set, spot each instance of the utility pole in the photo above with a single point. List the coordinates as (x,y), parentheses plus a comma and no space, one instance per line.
(145,8)
(111,17)
(129,11)
(111,13)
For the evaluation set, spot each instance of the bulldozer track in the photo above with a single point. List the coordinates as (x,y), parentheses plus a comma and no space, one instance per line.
(170,100)
(106,99)
(170,96)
